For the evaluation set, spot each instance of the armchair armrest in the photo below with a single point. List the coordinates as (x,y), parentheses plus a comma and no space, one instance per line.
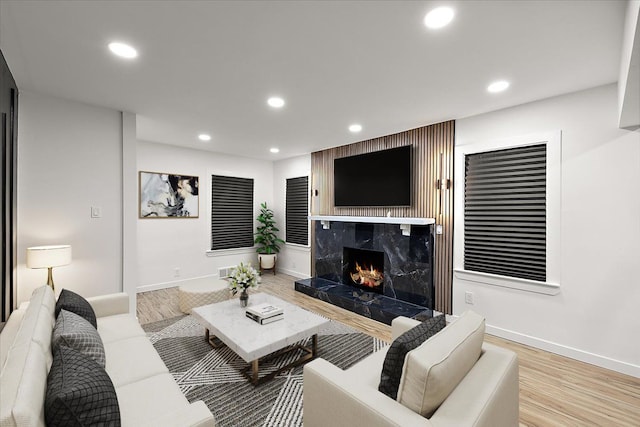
(402,324)
(332,398)
(109,305)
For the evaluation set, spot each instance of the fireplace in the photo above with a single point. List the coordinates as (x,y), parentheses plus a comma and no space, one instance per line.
(397,267)
(363,269)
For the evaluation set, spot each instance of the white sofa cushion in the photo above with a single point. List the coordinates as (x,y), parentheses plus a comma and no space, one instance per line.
(160,396)
(132,360)
(434,369)
(22,387)
(8,335)
(24,374)
(119,327)
(367,371)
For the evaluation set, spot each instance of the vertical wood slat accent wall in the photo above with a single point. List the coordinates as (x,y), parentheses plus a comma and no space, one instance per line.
(429,143)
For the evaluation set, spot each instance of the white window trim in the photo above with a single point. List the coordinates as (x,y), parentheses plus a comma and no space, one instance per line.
(298,247)
(553,141)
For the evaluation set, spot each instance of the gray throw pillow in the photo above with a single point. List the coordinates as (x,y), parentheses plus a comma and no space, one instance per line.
(394,360)
(79,392)
(71,301)
(74,331)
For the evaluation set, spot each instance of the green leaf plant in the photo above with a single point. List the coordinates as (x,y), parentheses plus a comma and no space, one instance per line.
(265,236)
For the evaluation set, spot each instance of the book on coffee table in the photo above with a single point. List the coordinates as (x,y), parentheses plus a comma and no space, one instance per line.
(265,320)
(264,310)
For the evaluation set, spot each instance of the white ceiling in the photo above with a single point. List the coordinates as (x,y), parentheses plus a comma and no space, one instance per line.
(210,66)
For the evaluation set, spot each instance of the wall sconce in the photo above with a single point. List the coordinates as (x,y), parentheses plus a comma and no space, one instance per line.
(442,183)
(48,257)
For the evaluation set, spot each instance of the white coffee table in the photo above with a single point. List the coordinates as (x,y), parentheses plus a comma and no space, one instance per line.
(251,341)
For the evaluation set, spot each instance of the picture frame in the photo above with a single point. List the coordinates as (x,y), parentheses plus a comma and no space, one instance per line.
(167,195)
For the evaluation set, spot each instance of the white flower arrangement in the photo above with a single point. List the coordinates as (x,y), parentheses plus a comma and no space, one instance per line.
(243,276)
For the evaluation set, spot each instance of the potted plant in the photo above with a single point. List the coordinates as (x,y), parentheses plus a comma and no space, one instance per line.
(266,239)
(243,277)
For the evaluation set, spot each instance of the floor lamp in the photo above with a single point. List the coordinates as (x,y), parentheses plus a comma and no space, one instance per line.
(48,257)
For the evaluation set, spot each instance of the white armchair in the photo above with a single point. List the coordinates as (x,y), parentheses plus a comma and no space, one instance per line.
(486,396)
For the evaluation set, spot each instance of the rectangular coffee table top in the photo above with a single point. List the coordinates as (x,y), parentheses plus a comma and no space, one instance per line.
(251,340)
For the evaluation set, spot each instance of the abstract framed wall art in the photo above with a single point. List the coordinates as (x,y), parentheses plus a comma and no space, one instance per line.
(165,195)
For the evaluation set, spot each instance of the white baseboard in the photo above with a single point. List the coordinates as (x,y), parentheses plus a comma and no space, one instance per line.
(563,350)
(293,273)
(172,284)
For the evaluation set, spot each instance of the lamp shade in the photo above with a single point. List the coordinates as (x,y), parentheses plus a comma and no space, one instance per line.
(48,256)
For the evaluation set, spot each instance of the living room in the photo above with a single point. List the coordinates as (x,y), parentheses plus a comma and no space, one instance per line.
(81,146)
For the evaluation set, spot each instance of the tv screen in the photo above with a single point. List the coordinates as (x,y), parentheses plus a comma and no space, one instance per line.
(381,178)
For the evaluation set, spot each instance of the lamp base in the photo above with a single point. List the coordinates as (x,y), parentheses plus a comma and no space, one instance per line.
(50,279)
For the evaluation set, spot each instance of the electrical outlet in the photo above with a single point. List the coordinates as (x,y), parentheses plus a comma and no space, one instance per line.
(468,297)
(176,272)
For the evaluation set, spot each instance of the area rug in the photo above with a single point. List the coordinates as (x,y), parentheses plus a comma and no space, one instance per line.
(213,375)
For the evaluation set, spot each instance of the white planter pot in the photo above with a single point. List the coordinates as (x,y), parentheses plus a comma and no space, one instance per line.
(267,261)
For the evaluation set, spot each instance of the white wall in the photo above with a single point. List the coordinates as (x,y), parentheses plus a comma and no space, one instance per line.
(594,318)
(69,159)
(167,244)
(293,259)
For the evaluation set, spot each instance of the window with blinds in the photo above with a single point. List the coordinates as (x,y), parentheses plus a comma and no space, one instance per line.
(505,212)
(297,211)
(231,212)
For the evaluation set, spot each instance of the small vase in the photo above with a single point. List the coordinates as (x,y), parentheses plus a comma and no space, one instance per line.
(244,298)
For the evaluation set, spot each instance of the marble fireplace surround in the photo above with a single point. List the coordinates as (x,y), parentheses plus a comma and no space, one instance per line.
(407,245)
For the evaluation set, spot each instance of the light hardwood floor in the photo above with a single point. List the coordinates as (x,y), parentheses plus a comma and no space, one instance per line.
(554,390)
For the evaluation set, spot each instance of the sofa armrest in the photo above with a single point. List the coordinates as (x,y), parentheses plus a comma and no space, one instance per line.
(402,324)
(195,415)
(332,398)
(109,305)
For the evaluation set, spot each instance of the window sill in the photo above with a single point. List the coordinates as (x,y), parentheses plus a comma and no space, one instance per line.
(234,251)
(298,247)
(507,282)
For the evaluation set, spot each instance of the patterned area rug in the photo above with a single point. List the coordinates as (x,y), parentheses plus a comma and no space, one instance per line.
(213,375)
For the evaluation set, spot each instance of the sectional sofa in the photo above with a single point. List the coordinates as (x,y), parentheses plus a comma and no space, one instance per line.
(146,392)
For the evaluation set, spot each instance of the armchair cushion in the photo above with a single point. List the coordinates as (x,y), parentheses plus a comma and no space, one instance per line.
(434,369)
(394,360)
(73,302)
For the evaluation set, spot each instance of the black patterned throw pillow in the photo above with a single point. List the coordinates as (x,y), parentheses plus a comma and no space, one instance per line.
(73,302)
(76,332)
(394,361)
(79,392)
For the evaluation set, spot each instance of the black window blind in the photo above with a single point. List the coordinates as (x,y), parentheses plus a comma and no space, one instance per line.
(505,212)
(297,211)
(231,212)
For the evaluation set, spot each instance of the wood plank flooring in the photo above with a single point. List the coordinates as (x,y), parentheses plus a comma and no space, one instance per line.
(554,390)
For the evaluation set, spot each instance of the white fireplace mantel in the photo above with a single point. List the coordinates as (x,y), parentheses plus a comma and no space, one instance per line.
(405,223)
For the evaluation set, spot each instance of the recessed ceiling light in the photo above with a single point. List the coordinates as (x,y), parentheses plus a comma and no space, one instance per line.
(275,102)
(275,150)
(498,86)
(204,137)
(355,128)
(123,50)
(438,17)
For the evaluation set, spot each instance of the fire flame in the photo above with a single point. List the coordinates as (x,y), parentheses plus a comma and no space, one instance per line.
(367,276)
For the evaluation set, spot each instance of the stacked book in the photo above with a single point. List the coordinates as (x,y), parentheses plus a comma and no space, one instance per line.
(264,313)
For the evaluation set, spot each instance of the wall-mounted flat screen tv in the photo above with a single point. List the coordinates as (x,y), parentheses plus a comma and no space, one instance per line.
(381,178)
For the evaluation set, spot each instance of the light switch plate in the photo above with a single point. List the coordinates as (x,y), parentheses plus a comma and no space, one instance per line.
(96,212)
